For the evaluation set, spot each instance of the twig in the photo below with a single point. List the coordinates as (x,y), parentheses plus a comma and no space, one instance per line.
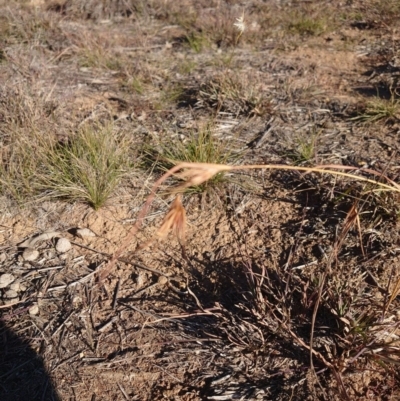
(66,360)
(123,391)
(108,324)
(115,297)
(12,304)
(257,142)
(62,324)
(314,262)
(125,260)
(80,281)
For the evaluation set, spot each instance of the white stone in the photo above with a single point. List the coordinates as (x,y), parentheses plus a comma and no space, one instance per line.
(76,299)
(3,257)
(34,309)
(85,232)
(162,280)
(63,245)
(6,279)
(11,294)
(16,286)
(30,254)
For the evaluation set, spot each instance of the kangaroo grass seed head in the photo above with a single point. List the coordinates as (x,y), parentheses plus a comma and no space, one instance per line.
(240,26)
(174,221)
(199,173)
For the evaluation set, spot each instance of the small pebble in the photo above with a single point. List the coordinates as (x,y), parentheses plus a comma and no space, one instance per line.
(34,309)
(6,279)
(63,245)
(11,294)
(76,299)
(30,254)
(162,280)
(16,286)
(3,257)
(85,232)
(141,279)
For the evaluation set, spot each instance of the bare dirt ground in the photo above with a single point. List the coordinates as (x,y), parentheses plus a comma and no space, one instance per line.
(286,287)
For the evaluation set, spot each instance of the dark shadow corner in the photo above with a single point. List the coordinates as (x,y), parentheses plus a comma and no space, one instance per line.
(23,376)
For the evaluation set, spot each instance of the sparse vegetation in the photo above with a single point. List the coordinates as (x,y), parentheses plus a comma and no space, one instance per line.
(379,13)
(288,293)
(197,42)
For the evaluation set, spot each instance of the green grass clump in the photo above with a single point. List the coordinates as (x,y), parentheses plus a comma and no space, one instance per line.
(307,26)
(197,42)
(380,109)
(202,147)
(96,57)
(305,147)
(87,168)
(309,22)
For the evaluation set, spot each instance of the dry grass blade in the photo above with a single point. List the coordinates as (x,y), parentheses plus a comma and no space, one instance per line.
(196,174)
(393,294)
(175,221)
(332,169)
(199,173)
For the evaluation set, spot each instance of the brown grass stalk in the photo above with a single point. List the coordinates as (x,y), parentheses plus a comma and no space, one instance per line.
(197,173)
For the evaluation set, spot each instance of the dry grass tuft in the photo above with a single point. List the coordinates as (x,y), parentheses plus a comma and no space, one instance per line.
(95,10)
(233,93)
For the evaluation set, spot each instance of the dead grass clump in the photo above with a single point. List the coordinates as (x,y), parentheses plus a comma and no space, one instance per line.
(217,25)
(233,93)
(335,321)
(97,51)
(96,10)
(137,77)
(377,13)
(208,24)
(29,25)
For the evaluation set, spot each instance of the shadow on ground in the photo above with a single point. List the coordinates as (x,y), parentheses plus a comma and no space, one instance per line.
(23,376)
